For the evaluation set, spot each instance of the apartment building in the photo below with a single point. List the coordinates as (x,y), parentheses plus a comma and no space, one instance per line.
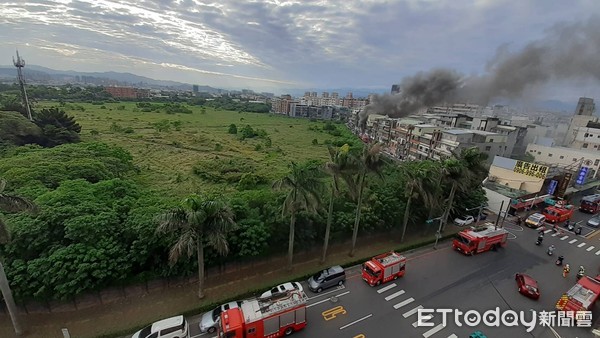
(282,105)
(587,137)
(566,158)
(584,113)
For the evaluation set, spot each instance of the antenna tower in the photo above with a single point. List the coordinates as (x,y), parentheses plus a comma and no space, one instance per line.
(20,63)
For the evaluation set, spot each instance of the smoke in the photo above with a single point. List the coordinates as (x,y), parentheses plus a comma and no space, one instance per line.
(568,51)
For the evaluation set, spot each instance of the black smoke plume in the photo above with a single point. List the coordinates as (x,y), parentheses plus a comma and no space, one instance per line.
(568,51)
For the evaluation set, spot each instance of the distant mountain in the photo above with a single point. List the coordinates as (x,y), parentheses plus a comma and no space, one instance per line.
(43,75)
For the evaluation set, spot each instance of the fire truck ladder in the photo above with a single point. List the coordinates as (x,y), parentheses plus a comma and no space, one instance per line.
(293,298)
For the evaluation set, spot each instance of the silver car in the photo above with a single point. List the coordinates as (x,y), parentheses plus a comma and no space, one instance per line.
(594,222)
(334,276)
(210,320)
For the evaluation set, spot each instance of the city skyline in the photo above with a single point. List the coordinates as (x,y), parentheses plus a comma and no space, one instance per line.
(278,45)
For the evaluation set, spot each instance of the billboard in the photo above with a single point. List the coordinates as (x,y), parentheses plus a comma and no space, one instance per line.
(582,175)
(552,187)
(563,184)
(531,169)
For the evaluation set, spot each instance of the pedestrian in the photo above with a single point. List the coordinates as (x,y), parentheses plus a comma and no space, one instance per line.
(519,220)
(566,270)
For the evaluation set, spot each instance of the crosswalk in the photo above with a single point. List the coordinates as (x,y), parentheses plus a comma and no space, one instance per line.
(411,314)
(573,241)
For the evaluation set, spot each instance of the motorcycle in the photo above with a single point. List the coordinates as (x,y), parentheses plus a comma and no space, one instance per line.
(551,250)
(578,231)
(571,227)
(579,275)
(559,261)
(538,242)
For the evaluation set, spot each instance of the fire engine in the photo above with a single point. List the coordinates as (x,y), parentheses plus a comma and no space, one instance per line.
(558,213)
(581,297)
(277,316)
(480,239)
(383,268)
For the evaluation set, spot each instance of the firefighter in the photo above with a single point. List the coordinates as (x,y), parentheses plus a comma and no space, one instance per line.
(519,221)
(566,270)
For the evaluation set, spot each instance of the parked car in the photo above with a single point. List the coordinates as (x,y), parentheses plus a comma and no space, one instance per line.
(327,278)
(594,222)
(483,216)
(174,327)
(281,290)
(527,286)
(464,220)
(535,220)
(210,320)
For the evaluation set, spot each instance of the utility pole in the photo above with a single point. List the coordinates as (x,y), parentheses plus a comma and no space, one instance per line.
(20,63)
(499,214)
(438,234)
(479,212)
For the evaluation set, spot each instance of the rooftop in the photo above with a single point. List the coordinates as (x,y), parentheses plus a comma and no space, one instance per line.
(483,132)
(425,125)
(458,131)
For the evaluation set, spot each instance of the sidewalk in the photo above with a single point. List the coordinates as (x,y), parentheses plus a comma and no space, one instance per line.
(125,316)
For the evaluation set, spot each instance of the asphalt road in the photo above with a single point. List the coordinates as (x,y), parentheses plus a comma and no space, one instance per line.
(445,279)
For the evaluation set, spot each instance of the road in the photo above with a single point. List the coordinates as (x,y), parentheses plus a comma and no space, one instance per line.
(445,279)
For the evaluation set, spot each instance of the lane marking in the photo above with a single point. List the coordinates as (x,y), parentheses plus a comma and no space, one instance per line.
(385,288)
(572,241)
(547,231)
(412,312)
(423,319)
(326,300)
(556,234)
(394,295)
(403,303)
(563,238)
(322,294)
(590,248)
(453,336)
(356,321)
(598,253)
(433,331)
(580,245)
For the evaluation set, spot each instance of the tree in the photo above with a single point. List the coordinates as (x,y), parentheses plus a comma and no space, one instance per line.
(10,203)
(369,161)
(457,175)
(419,175)
(57,126)
(199,222)
(232,129)
(340,166)
(304,186)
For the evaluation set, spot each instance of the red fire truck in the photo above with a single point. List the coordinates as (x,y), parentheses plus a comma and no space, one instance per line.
(558,213)
(581,297)
(277,316)
(480,239)
(383,268)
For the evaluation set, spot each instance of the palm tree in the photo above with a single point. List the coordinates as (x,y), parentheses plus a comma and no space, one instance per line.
(420,175)
(370,161)
(454,172)
(304,187)
(340,166)
(10,203)
(199,222)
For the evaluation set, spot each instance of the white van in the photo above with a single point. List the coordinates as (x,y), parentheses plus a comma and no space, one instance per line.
(174,327)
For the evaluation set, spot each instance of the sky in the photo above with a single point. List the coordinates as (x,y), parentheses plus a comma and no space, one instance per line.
(276,45)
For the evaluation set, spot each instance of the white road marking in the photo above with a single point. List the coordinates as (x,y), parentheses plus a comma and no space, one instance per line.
(356,321)
(412,312)
(590,248)
(572,241)
(453,336)
(598,253)
(323,294)
(423,319)
(547,231)
(384,289)
(556,234)
(403,303)
(327,299)
(433,331)
(580,245)
(394,295)
(563,238)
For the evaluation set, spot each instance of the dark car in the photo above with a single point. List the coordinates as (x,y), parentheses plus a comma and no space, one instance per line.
(527,286)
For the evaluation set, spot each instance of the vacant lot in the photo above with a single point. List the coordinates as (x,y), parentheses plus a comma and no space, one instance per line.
(167,147)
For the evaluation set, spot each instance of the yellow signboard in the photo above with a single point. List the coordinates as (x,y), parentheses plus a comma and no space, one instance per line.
(531,169)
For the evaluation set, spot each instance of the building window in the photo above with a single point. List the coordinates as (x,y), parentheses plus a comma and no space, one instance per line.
(561,157)
(549,155)
(586,135)
(585,145)
(596,162)
(488,148)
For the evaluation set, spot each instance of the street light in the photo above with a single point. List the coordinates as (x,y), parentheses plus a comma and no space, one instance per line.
(438,234)
(479,213)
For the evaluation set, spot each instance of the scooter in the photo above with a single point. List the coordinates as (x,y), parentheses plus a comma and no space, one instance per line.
(579,275)
(578,231)
(538,242)
(559,261)
(571,227)
(551,250)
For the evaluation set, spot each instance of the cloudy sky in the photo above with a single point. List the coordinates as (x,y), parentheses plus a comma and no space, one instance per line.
(279,44)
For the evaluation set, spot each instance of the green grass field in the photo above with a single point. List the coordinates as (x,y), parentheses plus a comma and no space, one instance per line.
(166,159)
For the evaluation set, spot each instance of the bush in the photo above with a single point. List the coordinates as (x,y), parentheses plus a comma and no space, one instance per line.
(232,129)
(315,141)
